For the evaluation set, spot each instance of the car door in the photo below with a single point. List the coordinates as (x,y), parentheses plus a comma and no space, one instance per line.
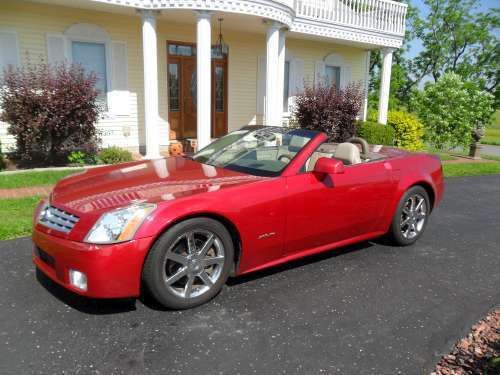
(322,210)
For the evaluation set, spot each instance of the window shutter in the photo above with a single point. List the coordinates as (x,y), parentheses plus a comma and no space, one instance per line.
(56,49)
(296,77)
(9,50)
(319,72)
(345,75)
(118,96)
(261,86)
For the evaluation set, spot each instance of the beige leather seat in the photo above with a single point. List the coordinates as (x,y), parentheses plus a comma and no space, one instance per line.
(348,153)
(314,158)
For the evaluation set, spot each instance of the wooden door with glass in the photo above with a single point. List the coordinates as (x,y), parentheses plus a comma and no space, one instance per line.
(182,91)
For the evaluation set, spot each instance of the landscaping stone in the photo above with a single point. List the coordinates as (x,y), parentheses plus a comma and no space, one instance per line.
(475,353)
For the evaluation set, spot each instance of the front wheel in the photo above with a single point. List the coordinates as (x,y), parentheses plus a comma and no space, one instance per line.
(189,264)
(411,216)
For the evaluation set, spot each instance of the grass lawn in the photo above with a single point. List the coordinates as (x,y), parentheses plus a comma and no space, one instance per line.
(16,216)
(471,169)
(35,178)
(492,136)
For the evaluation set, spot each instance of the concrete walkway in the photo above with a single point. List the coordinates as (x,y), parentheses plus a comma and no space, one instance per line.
(490,150)
(26,192)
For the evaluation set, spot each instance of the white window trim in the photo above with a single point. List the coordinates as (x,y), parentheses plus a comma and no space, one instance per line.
(291,81)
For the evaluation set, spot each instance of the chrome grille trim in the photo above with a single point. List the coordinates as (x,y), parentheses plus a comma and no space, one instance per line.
(54,218)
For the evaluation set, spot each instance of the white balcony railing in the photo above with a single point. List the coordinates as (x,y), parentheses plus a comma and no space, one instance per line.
(380,15)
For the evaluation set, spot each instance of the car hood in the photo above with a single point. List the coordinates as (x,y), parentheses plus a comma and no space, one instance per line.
(104,188)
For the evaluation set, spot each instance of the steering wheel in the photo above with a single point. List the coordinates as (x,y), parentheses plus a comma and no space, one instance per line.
(365,149)
(285,156)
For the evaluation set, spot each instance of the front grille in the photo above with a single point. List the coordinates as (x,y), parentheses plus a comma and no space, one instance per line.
(57,219)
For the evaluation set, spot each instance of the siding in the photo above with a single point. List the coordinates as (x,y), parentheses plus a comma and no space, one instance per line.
(33,22)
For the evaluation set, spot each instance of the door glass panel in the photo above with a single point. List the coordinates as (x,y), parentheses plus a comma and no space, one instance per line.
(219,89)
(194,89)
(92,57)
(173,87)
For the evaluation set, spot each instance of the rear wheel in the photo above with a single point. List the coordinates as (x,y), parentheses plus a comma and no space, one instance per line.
(189,264)
(411,216)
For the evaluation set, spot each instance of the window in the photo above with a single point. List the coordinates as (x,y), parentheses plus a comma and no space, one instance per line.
(181,50)
(92,56)
(286,86)
(332,75)
(9,50)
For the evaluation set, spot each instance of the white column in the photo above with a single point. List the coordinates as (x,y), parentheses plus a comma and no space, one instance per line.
(385,85)
(272,113)
(366,85)
(281,75)
(203,76)
(150,62)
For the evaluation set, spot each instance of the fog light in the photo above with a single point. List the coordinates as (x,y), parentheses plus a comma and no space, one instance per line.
(78,279)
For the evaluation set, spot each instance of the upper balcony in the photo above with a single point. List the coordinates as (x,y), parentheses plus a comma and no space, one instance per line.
(370,22)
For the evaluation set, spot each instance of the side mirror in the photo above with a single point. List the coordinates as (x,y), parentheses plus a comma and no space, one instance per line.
(329,166)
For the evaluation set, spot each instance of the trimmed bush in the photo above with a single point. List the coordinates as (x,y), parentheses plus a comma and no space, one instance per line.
(115,155)
(375,133)
(408,130)
(51,111)
(329,109)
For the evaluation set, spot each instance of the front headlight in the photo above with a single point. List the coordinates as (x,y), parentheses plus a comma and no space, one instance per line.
(119,225)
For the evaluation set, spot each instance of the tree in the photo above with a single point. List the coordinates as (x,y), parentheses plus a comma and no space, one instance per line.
(450,109)
(457,38)
(51,110)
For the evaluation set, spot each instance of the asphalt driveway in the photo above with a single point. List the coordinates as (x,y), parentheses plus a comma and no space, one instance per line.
(367,309)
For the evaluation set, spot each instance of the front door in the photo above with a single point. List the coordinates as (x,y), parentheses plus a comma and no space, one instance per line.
(182,92)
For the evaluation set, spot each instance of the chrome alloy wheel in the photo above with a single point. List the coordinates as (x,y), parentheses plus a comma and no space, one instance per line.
(194,263)
(413,216)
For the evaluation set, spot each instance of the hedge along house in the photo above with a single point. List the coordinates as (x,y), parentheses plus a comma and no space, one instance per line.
(166,76)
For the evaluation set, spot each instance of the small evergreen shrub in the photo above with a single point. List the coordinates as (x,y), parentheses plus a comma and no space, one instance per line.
(82,158)
(115,155)
(375,133)
(408,130)
(329,109)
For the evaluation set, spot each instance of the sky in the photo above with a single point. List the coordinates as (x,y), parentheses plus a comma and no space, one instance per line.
(415,46)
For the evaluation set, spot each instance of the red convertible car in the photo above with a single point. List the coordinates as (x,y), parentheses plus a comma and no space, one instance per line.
(255,198)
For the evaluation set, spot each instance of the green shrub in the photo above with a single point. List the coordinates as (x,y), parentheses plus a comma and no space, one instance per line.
(115,155)
(375,133)
(408,130)
(81,158)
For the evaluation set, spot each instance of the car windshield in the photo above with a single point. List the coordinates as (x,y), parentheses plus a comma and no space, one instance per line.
(260,151)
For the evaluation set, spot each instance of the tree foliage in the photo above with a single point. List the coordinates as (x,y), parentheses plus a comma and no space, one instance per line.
(450,109)
(51,110)
(457,38)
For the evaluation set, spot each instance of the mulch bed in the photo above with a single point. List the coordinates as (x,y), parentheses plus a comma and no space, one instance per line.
(478,353)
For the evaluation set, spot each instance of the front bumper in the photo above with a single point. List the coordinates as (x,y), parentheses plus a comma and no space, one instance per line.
(113,271)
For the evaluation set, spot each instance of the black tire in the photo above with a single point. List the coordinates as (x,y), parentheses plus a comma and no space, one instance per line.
(156,267)
(401,233)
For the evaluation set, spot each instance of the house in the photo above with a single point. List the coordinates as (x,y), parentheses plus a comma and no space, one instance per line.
(196,69)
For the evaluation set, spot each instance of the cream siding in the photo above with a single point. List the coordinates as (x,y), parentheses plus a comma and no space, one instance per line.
(33,22)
